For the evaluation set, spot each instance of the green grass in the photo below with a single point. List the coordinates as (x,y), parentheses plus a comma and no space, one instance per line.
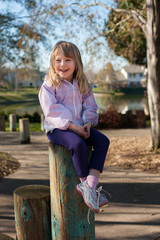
(148,123)
(27,94)
(103,90)
(34,127)
(99,90)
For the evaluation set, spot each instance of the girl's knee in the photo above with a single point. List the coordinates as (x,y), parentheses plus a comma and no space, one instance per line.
(105,141)
(78,143)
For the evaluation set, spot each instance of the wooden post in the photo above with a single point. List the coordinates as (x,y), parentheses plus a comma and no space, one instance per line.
(12,122)
(32,212)
(5,237)
(2,123)
(68,210)
(24,130)
(42,122)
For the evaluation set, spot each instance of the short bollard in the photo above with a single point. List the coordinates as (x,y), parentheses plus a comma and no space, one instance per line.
(68,210)
(2,123)
(5,237)
(42,122)
(12,122)
(32,212)
(24,130)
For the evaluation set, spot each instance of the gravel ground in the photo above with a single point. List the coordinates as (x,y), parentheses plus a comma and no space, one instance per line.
(133,153)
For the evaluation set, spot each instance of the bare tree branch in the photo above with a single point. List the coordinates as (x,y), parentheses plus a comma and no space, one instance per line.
(111,30)
(117,24)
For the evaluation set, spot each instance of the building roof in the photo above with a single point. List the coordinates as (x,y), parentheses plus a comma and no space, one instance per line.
(133,68)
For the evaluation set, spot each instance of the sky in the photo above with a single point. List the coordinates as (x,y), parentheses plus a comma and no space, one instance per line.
(104,54)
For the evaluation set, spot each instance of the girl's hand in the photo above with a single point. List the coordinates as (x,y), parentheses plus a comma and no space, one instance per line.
(80,130)
(87,127)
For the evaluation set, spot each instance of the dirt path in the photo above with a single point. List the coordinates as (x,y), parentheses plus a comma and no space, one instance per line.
(134,210)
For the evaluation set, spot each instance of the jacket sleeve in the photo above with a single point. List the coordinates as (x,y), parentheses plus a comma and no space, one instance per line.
(89,109)
(55,114)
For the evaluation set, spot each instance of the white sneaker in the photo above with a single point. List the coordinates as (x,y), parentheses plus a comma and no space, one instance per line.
(103,201)
(89,195)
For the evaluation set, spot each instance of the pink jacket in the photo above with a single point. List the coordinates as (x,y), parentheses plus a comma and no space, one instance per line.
(64,104)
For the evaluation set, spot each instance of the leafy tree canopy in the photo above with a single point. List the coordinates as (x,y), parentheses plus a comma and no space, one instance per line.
(125,37)
(17,35)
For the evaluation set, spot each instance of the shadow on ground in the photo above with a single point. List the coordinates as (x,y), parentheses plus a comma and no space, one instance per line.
(136,193)
(132,193)
(7,186)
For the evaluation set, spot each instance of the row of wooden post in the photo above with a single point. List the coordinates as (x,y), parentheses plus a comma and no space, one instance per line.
(13,121)
(57,212)
(23,126)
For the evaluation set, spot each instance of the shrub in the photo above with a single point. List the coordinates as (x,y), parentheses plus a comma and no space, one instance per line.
(32,118)
(112,119)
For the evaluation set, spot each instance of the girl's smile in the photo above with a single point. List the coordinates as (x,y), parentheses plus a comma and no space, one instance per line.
(64,66)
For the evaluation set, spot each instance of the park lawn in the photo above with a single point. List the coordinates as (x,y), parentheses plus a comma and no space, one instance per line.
(104,91)
(34,127)
(27,94)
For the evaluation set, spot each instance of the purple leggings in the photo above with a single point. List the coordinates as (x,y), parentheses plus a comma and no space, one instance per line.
(79,150)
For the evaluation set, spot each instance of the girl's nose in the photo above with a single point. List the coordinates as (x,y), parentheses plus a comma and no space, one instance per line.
(63,62)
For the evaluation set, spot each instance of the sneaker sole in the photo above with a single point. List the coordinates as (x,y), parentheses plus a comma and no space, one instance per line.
(94,210)
(104,204)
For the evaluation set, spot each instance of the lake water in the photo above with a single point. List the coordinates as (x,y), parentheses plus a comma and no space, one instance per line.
(121,103)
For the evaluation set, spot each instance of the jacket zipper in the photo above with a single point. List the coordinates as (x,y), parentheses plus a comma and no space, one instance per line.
(74,105)
(74,102)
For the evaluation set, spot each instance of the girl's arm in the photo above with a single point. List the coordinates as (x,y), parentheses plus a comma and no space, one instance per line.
(89,112)
(55,113)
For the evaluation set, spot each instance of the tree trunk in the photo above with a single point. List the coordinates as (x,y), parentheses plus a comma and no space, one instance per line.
(153,62)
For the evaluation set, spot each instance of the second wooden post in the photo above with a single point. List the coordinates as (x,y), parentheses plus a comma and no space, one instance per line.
(24,130)
(32,212)
(12,122)
(68,210)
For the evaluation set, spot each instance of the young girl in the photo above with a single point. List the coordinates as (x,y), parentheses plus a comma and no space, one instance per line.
(70,114)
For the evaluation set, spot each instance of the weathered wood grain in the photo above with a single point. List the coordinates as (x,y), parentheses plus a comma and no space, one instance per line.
(32,212)
(68,210)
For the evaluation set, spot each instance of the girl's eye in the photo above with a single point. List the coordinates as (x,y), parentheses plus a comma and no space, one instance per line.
(58,60)
(68,60)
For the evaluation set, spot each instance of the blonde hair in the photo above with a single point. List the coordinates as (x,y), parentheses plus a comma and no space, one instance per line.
(69,50)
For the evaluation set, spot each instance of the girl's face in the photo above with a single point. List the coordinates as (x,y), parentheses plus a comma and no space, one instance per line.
(64,66)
